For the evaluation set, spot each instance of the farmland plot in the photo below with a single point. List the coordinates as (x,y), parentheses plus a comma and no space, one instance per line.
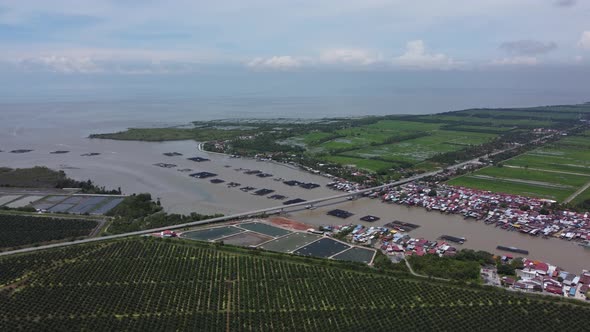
(152,285)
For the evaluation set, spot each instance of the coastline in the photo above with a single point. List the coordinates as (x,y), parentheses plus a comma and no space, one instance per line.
(131,163)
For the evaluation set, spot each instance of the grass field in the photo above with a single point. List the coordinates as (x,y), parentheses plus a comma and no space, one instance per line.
(497,121)
(556,179)
(359,137)
(584,195)
(388,145)
(511,188)
(550,162)
(172,134)
(40,177)
(148,285)
(554,171)
(21,230)
(368,164)
(481,129)
(370,153)
(419,149)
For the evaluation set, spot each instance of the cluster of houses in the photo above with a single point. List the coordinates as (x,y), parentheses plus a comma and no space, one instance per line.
(393,240)
(419,247)
(537,276)
(344,185)
(532,216)
(528,215)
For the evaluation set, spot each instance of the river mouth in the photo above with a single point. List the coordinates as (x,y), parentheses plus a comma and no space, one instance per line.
(130,165)
(139,167)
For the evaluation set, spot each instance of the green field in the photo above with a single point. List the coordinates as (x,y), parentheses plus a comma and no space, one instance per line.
(511,188)
(496,121)
(173,134)
(390,145)
(368,164)
(366,147)
(22,230)
(148,285)
(554,171)
(579,200)
(479,129)
(359,137)
(551,178)
(534,159)
(420,149)
(39,177)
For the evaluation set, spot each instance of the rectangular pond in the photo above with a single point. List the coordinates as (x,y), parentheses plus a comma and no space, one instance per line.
(211,233)
(8,198)
(54,199)
(108,206)
(324,248)
(87,204)
(264,229)
(246,239)
(356,255)
(62,207)
(24,201)
(290,242)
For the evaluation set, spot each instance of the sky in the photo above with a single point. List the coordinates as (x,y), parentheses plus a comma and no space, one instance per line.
(129,37)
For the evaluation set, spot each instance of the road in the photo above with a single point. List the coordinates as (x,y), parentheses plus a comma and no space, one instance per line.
(577,193)
(272,210)
(547,170)
(248,214)
(420,275)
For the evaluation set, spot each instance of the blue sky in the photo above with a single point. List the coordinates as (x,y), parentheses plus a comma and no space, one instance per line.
(148,36)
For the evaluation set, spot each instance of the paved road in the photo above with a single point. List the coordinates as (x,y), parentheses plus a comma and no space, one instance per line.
(546,170)
(249,214)
(272,210)
(577,193)
(420,275)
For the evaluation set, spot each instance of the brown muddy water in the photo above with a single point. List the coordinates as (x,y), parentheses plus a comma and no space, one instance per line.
(480,236)
(129,165)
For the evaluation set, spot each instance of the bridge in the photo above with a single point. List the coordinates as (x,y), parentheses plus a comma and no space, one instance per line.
(250,214)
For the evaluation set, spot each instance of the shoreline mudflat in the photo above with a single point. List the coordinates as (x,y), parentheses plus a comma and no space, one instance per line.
(130,165)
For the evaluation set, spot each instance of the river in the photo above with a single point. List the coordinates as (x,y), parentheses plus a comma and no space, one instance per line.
(480,236)
(129,165)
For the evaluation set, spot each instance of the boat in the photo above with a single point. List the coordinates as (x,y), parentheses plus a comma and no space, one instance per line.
(455,239)
(513,249)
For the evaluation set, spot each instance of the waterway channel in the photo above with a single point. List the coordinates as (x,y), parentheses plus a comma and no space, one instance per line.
(129,165)
(480,236)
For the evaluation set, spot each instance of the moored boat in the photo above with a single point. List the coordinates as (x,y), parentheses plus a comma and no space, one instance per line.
(513,249)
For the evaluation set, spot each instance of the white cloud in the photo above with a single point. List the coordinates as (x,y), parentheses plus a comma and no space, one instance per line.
(516,61)
(65,59)
(416,57)
(528,47)
(61,64)
(584,41)
(578,58)
(283,62)
(65,64)
(349,56)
